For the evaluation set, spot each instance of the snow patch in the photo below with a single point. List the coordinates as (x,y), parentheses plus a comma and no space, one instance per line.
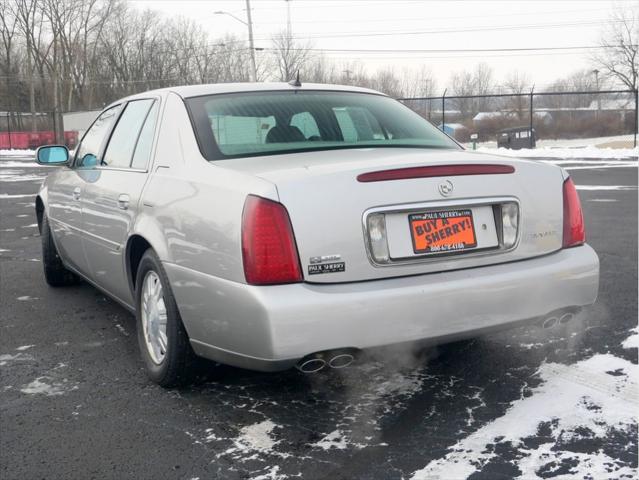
(334,439)
(17,153)
(572,399)
(633,340)
(24,347)
(40,387)
(121,330)
(271,474)
(26,298)
(6,195)
(5,359)
(256,437)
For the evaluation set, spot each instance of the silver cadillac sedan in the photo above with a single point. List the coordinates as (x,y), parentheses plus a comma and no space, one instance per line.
(272,225)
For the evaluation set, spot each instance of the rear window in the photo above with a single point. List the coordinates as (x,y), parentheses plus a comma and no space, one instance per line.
(268,123)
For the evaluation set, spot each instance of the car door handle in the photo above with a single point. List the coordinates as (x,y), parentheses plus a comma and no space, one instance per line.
(76,193)
(123,201)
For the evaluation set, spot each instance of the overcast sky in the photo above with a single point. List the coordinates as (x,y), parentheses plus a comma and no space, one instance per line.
(420,24)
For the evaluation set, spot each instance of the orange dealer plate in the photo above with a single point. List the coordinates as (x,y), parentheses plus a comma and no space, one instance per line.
(442,232)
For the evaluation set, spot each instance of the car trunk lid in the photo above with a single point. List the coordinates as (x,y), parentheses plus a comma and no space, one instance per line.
(349,229)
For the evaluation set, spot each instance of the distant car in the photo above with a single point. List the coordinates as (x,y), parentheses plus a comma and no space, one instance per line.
(271,225)
(517,138)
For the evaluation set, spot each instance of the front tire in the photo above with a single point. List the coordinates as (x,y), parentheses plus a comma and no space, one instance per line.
(55,273)
(164,343)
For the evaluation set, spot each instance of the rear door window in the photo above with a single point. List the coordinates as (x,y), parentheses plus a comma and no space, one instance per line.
(145,141)
(119,152)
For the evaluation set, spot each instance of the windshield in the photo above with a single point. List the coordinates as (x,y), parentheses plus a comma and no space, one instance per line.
(268,123)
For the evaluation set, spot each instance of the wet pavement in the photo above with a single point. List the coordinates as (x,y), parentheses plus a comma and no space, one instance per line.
(534,403)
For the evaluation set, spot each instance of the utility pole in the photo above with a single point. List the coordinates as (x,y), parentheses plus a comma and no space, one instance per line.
(249,24)
(289,28)
(596,72)
(348,72)
(251,44)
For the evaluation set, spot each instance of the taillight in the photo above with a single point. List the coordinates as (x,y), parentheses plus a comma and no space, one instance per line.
(574,231)
(268,246)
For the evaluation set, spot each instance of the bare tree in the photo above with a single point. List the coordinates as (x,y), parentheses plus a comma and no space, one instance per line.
(386,81)
(518,83)
(579,81)
(290,56)
(8,30)
(619,41)
(479,81)
(418,83)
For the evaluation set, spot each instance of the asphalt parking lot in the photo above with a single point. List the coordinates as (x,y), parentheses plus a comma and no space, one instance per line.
(75,402)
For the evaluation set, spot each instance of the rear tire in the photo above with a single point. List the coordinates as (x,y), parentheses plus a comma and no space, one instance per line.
(55,273)
(164,343)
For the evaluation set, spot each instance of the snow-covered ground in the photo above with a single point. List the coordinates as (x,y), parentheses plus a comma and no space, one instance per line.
(565,152)
(575,405)
(17,153)
(568,142)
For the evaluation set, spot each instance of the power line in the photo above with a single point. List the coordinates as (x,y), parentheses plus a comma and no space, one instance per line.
(457,30)
(426,19)
(448,50)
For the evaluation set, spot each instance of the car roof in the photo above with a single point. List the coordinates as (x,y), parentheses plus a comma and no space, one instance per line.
(188,91)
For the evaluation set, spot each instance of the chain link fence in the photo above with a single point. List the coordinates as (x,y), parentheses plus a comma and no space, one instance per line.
(608,117)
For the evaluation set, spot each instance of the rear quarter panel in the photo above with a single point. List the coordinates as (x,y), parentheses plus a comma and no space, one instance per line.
(191,210)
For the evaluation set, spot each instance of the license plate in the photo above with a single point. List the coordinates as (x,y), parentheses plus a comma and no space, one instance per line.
(442,232)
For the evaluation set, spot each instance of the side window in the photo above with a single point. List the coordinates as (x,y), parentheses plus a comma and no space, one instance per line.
(89,150)
(119,152)
(306,123)
(145,141)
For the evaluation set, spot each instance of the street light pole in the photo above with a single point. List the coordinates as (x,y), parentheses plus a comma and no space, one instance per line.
(251,44)
(596,72)
(249,24)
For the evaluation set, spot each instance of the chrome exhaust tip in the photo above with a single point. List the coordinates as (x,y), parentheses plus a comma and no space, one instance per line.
(566,317)
(550,322)
(311,365)
(342,360)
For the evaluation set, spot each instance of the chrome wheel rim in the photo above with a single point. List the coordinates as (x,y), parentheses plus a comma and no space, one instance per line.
(154,317)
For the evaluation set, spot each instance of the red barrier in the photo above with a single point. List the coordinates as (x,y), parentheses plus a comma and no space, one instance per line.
(33,140)
(47,138)
(4,141)
(19,140)
(71,139)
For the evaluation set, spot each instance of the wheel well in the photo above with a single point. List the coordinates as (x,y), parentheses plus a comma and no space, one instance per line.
(136,247)
(39,206)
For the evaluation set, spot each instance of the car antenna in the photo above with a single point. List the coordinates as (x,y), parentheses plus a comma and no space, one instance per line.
(296,82)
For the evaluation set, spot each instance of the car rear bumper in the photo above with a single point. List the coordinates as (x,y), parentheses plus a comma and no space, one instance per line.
(271,327)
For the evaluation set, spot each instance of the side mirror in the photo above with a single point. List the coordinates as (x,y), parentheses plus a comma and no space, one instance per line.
(52,155)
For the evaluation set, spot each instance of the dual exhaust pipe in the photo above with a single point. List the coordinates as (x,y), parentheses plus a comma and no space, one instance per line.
(335,359)
(558,319)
